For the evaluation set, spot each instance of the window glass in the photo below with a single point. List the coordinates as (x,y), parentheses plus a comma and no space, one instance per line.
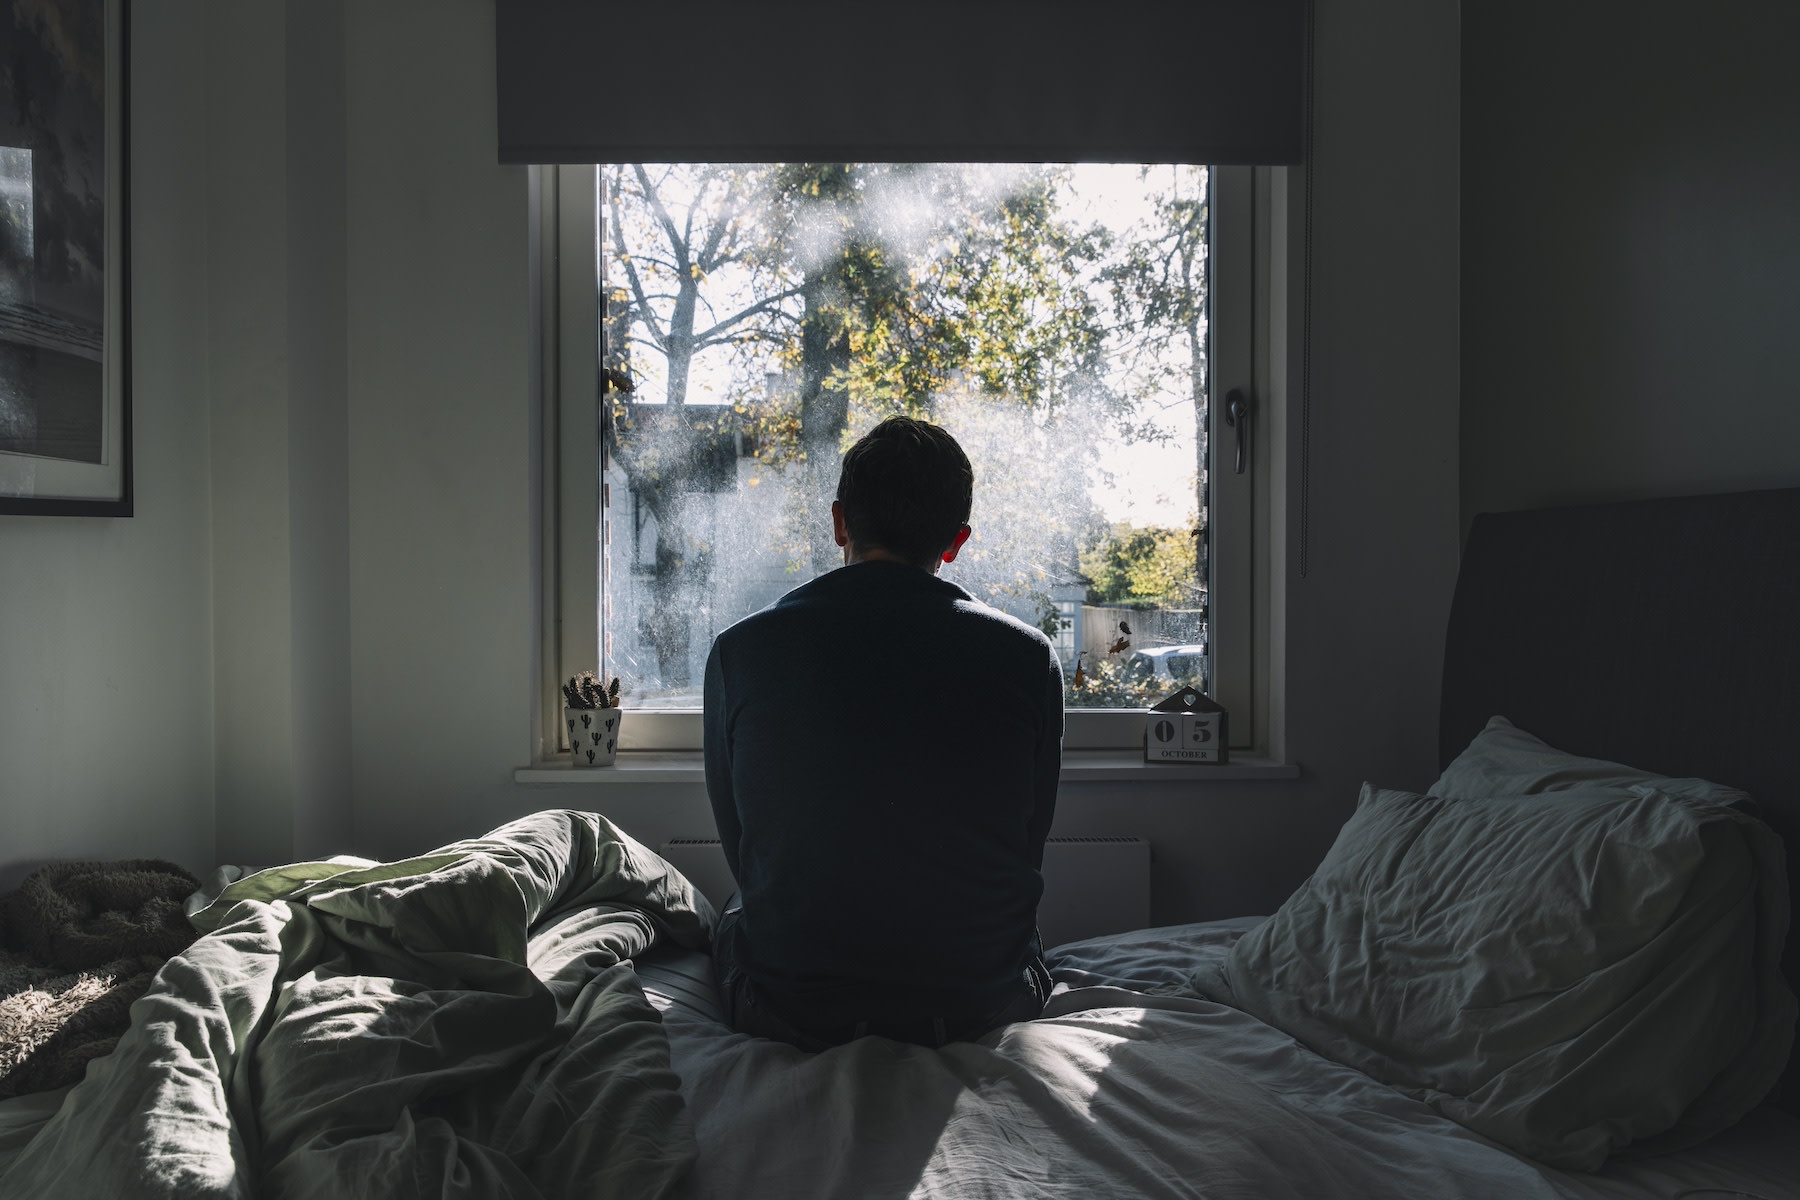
(1052,317)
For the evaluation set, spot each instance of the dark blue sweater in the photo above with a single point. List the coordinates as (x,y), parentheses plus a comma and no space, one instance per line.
(882,755)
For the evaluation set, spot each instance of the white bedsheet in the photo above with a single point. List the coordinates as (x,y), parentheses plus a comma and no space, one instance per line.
(1117,1093)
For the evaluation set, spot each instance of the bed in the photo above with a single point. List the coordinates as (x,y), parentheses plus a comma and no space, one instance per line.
(531,1012)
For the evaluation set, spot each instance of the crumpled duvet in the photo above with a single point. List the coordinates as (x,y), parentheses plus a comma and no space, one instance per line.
(465,1023)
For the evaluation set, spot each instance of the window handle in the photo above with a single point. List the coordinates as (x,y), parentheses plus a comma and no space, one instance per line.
(1237,415)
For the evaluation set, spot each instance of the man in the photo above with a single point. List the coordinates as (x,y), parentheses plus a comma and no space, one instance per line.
(882,755)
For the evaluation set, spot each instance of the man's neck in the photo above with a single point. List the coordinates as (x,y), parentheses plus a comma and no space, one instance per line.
(854,554)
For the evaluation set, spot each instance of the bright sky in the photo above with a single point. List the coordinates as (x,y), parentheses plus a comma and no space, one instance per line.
(1153,483)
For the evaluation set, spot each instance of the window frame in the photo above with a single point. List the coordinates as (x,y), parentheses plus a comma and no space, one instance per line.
(1248,352)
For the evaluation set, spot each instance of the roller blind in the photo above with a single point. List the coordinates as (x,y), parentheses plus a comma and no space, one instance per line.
(1211,81)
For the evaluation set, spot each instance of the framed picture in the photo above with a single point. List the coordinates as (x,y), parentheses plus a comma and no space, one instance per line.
(65,336)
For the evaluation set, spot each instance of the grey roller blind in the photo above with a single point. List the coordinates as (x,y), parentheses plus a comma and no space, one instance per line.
(1213,81)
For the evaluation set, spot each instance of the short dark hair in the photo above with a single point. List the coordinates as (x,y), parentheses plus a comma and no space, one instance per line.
(906,488)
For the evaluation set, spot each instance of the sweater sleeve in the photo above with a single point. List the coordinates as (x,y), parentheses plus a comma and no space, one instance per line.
(716,751)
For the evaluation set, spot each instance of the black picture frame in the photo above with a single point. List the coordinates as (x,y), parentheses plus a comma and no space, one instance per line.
(65,426)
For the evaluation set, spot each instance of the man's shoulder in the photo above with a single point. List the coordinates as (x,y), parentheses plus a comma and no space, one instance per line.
(777,619)
(1001,626)
(849,601)
(759,623)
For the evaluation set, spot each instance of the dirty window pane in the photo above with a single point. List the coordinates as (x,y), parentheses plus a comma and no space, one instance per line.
(1052,316)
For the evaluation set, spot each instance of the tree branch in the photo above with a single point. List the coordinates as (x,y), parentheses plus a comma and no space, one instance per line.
(653,197)
(658,335)
(733,205)
(766,304)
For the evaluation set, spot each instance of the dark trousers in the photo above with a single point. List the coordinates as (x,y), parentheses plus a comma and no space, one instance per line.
(750,1011)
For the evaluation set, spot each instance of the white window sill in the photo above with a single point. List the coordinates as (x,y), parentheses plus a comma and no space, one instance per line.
(1105,766)
(631,766)
(1079,766)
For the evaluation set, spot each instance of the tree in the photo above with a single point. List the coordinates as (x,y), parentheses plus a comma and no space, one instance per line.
(703,221)
(816,218)
(672,235)
(846,292)
(987,305)
(1149,567)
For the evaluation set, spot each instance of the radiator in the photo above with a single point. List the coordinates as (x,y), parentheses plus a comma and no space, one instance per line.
(1092,885)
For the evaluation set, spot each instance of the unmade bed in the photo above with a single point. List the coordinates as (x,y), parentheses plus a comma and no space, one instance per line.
(1120,1090)
(1562,972)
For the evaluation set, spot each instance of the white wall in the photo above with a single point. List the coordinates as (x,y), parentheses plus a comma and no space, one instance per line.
(440,352)
(276,303)
(106,743)
(1631,242)
(319,424)
(1366,617)
(436,498)
(247,313)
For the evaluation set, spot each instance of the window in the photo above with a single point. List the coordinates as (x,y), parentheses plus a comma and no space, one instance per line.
(1072,324)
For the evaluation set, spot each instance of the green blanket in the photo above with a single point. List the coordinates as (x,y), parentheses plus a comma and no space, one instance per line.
(466,1023)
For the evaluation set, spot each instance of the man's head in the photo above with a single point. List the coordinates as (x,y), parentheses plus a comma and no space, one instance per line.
(905,493)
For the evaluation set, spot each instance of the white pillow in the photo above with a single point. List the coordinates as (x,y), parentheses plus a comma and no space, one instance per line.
(1504,760)
(1567,974)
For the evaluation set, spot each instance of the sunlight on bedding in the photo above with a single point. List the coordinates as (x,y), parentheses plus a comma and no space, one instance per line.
(1051,1075)
(1069,1061)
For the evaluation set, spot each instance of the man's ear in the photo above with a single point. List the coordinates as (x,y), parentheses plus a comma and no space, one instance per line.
(962,535)
(838,529)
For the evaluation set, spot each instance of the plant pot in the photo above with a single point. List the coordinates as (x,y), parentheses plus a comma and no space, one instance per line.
(593,735)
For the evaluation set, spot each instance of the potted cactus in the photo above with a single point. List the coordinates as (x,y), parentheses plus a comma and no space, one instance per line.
(592,717)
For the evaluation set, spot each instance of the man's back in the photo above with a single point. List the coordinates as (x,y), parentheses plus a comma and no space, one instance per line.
(882,755)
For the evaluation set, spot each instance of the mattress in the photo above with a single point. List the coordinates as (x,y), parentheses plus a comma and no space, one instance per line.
(1124,1088)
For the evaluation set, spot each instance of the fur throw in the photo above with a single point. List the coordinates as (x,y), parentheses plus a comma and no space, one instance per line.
(79,942)
(81,914)
(53,1023)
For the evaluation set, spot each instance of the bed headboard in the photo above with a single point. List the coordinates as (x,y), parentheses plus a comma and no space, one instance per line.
(1660,633)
